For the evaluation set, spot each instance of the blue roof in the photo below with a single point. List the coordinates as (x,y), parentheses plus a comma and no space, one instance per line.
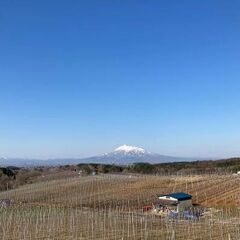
(178,195)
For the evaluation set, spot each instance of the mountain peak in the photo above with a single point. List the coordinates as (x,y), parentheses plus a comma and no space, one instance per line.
(129,149)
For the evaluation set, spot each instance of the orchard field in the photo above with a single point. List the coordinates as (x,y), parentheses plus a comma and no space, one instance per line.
(110,207)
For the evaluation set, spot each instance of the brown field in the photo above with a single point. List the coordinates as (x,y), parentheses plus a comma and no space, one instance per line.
(109,207)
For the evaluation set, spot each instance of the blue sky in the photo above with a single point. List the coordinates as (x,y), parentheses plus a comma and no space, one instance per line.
(79,78)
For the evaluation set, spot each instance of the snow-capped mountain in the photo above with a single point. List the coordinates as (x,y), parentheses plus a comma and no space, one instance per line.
(129,154)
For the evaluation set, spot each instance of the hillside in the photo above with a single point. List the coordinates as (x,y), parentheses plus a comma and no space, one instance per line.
(12,177)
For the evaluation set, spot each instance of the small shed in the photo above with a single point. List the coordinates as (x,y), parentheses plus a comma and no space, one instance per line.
(177,200)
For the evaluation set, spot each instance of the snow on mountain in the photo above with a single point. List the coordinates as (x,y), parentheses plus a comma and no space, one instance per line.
(130,149)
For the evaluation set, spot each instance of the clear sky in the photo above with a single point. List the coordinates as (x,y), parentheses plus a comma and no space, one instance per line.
(78,78)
